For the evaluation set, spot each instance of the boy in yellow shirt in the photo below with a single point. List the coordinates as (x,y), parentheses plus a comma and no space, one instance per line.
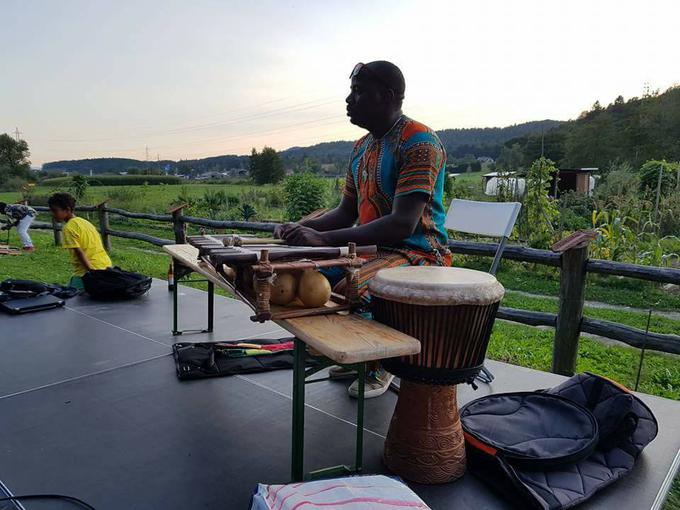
(81,238)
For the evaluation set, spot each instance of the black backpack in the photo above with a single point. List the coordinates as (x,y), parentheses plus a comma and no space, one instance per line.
(114,284)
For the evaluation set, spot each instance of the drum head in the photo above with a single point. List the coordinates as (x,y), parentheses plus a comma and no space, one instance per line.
(531,430)
(436,285)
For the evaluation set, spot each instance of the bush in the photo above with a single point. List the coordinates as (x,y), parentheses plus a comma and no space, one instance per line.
(576,211)
(13,184)
(649,177)
(669,215)
(304,193)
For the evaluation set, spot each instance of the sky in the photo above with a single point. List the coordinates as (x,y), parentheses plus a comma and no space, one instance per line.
(89,78)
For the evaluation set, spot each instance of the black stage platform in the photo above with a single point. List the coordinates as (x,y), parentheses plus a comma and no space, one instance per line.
(90,407)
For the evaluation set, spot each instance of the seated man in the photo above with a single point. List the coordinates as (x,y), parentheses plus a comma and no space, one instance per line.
(81,238)
(393,192)
(21,216)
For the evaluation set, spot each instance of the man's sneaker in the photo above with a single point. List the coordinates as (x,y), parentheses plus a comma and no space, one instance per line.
(377,383)
(338,372)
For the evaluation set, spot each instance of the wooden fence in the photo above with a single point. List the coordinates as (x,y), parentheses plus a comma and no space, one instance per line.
(574,266)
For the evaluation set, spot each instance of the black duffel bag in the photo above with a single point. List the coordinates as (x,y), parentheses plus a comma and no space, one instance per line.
(554,449)
(115,284)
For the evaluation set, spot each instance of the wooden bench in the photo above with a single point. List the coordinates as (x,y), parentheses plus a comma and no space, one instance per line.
(342,339)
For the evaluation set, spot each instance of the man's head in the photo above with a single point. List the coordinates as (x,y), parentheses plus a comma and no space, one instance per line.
(62,206)
(3,206)
(377,91)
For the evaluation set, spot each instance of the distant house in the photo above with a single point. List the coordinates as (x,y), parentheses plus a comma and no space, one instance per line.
(212,175)
(485,160)
(237,172)
(579,180)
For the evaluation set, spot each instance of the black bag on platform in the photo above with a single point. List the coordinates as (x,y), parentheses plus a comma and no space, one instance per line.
(31,304)
(554,449)
(114,284)
(22,289)
(207,359)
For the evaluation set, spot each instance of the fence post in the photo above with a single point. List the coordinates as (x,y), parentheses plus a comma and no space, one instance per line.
(58,233)
(574,250)
(104,225)
(178,225)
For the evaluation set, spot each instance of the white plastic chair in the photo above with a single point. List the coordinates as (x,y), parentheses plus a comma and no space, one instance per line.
(493,219)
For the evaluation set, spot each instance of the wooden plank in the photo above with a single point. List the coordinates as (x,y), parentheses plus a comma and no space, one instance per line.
(344,338)
(188,255)
(527,317)
(511,252)
(632,336)
(578,239)
(350,338)
(657,274)
(572,295)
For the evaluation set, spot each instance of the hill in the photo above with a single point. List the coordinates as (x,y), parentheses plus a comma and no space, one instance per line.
(458,143)
(635,131)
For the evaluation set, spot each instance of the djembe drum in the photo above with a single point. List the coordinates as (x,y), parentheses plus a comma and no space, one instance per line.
(451,311)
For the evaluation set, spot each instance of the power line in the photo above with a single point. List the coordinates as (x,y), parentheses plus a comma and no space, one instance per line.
(307,105)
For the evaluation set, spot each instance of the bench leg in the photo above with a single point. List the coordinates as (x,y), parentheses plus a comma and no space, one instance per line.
(175,296)
(211,306)
(359,460)
(298,446)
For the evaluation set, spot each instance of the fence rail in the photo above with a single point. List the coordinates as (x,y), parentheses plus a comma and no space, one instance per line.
(574,266)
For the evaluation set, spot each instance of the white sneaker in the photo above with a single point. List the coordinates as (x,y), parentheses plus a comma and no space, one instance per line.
(338,372)
(377,383)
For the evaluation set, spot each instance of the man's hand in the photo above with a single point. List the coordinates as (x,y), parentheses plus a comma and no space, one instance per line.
(298,235)
(281,231)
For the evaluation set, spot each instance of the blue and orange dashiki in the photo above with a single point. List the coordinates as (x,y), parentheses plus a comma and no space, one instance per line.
(409,158)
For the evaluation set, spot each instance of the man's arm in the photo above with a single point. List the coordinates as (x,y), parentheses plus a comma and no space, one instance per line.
(388,230)
(343,216)
(83,258)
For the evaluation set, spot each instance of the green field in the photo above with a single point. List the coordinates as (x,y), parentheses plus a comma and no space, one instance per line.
(268,200)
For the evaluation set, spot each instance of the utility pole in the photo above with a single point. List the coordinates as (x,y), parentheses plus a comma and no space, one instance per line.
(542,144)
(147,153)
(17,134)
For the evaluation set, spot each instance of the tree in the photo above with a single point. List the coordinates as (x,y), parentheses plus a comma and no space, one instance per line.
(266,166)
(13,159)
(511,158)
(540,210)
(310,165)
(78,186)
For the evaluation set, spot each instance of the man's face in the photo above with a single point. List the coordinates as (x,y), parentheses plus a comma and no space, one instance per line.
(365,102)
(60,214)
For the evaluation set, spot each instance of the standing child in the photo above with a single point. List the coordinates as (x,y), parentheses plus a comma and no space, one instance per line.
(80,238)
(20,216)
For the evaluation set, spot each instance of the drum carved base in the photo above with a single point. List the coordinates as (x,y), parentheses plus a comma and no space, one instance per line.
(425,440)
